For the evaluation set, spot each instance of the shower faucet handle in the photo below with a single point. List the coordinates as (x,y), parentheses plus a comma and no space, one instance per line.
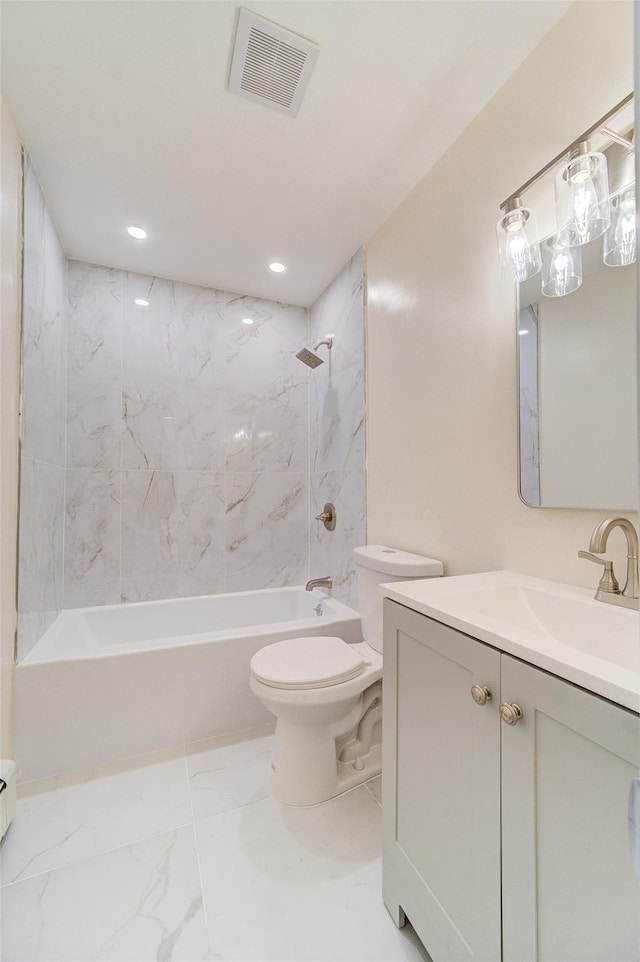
(328,516)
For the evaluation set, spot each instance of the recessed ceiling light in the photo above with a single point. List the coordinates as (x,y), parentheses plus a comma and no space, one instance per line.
(247,320)
(136,232)
(140,301)
(329,335)
(276,267)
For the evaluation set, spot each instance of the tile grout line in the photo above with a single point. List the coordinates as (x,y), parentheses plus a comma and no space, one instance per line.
(121,424)
(367,785)
(197,847)
(172,831)
(143,838)
(88,858)
(137,840)
(65,431)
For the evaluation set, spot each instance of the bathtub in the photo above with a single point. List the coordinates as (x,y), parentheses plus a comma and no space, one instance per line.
(108,682)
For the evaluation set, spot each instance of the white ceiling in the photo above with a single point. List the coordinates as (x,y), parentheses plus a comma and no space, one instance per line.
(124,109)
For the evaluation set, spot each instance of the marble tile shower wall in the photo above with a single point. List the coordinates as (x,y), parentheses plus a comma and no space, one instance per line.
(191,441)
(187,441)
(43,420)
(337,428)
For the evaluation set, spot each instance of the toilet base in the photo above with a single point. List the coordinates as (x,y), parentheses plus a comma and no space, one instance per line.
(328,739)
(346,778)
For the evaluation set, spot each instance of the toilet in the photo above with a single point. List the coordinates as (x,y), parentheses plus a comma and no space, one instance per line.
(327,694)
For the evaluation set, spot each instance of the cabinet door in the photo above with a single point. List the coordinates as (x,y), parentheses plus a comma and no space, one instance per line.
(441,795)
(568,888)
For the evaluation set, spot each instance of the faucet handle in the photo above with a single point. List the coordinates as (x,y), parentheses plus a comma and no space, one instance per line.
(328,516)
(608,582)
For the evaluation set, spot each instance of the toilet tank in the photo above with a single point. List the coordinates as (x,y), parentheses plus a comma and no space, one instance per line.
(378,565)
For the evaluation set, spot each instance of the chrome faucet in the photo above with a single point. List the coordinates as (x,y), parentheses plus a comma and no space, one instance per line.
(608,587)
(319,583)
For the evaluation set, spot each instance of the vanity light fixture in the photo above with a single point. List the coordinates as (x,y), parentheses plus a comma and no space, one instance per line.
(561,267)
(518,242)
(140,301)
(136,232)
(620,238)
(584,212)
(277,268)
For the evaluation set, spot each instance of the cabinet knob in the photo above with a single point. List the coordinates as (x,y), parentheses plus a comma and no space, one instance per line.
(481,694)
(510,714)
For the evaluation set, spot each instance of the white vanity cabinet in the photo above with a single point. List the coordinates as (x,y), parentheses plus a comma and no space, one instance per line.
(503,842)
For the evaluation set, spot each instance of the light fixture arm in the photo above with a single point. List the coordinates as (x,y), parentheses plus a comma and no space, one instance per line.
(563,153)
(618,138)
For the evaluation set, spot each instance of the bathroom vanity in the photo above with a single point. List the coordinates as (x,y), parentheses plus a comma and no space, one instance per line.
(511,741)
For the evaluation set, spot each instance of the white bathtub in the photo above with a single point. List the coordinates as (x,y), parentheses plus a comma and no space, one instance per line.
(108,682)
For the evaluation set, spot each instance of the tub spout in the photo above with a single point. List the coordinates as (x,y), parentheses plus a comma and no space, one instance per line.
(319,583)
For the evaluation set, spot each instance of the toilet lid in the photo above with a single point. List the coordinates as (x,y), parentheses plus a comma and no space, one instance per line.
(316,662)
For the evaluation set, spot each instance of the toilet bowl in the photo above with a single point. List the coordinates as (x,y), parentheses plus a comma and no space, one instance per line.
(327,694)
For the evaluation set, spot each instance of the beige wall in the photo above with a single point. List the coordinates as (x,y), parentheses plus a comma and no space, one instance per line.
(10,265)
(442,436)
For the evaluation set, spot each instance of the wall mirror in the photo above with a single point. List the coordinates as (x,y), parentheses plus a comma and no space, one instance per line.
(577,384)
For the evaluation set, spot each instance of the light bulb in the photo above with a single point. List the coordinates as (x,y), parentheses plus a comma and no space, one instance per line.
(580,172)
(620,238)
(518,243)
(583,208)
(561,267)
(582,197)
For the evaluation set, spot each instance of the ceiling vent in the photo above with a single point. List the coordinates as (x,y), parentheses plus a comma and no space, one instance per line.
(270,66)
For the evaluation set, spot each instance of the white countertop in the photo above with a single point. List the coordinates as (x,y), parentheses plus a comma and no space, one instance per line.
(559,628)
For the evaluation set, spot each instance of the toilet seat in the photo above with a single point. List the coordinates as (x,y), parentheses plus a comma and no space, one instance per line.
(310,662)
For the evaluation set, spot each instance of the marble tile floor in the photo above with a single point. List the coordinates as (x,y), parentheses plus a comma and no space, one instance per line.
(181,855)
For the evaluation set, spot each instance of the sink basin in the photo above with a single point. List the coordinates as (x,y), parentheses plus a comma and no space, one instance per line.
(560,628)
(594,628)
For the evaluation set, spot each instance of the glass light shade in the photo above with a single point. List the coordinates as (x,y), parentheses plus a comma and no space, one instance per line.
(518,244)
(620,238)
(561,267)
(582,198)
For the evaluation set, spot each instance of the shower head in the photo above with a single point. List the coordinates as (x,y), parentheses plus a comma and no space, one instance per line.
(309,357)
